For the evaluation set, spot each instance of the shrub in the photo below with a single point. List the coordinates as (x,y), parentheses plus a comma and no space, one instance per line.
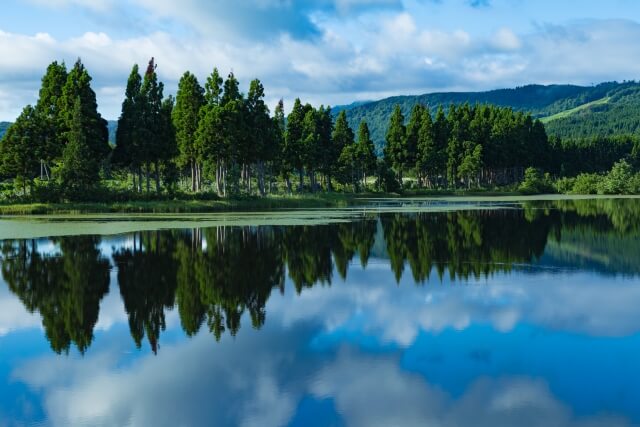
(634,184)
(535,182)
(565,185)
(586,183)
(617,180)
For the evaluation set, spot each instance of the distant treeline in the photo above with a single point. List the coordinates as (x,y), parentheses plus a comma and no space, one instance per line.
(216,139)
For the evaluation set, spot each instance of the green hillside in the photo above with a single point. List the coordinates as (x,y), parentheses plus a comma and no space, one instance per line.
(3,128)
(566,113)
(557,103)
(616,114)
(112,126)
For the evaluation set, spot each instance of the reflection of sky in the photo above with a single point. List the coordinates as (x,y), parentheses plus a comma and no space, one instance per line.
(548,349)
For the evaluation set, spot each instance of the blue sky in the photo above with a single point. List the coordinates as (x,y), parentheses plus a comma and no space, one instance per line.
(324,51)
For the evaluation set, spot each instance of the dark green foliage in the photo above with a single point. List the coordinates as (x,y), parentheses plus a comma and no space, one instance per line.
(385,177)
(93,127)
(365,154)
(186,116)
(570,157)
(80,170)
(396,148)
(50,110)
(128,136)
(344,140)
(145,136)
(20,146)
(65,288)
(481,145)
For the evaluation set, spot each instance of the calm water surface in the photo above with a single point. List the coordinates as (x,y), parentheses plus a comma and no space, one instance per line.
(508,315)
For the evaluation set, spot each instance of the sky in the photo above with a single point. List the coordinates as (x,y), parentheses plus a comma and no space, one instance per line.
(327,52)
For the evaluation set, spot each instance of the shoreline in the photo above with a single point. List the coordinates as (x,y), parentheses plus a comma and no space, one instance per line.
(276,203)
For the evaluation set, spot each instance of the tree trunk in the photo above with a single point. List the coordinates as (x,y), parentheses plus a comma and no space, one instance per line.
(157,170)
(147,177)
(288,181)
(261,186)
(224,180)
(301,176)
(193,176)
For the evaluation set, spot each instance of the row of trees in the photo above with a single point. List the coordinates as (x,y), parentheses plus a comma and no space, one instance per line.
(63,135)
(211,135)
(216,138)
(470,144)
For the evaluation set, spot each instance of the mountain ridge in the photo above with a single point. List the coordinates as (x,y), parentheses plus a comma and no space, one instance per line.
(539,100)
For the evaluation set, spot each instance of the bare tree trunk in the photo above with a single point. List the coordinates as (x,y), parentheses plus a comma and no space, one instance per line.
(224,180)
(219,177)
(193,176)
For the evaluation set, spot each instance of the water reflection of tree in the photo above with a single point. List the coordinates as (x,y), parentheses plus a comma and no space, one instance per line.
(65,287)
(216,275)
(464,243)
(147,279)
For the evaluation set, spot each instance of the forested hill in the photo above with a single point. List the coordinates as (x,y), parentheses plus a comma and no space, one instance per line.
(567,110)
(112,126)
(617,113)
(3,128)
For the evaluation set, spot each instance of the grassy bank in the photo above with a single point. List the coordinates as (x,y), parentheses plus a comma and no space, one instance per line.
(180,206)
(305,201)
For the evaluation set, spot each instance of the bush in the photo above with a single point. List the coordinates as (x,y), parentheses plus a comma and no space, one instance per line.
(565,185)
(617,180)
(586,183)
(46,192)
(634,184)
(536,183)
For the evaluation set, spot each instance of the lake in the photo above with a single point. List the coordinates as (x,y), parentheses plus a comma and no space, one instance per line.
(397,313)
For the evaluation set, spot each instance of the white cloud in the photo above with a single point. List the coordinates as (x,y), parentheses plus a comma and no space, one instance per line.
(324,51)
(259,378)
(506,39)
(95,5)
(568,302)
(13,315)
